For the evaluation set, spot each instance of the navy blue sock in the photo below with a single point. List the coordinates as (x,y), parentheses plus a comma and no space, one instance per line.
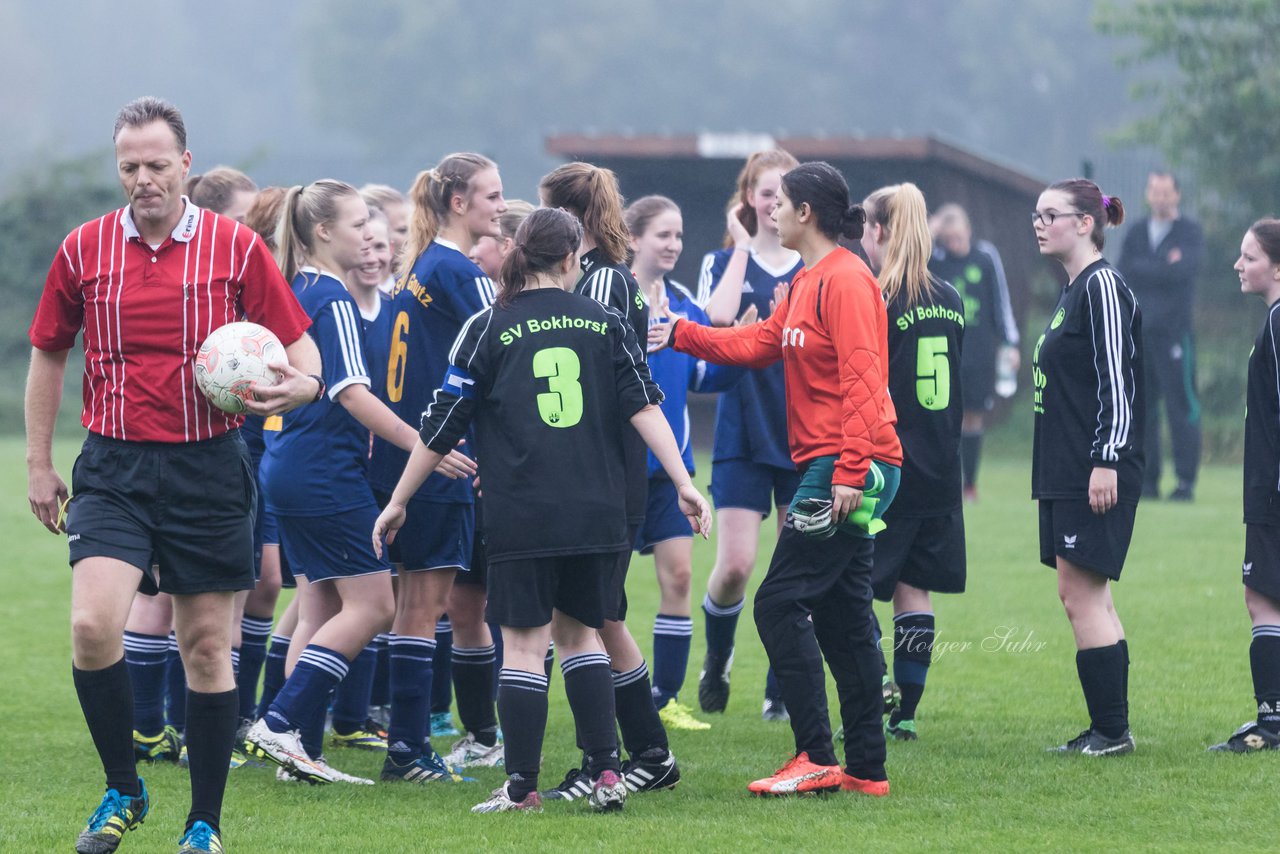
(549,660)
(442,669)
(311,728)
(254,632)
(722,625)
(1264,663)
(307,689)
(409,731)
(106,698)
(176,686)
(672,637)
(473,680)
(351,699)
(913,633)
(145,656)
(522,705)
(273,672)
(587,683)
(381,694)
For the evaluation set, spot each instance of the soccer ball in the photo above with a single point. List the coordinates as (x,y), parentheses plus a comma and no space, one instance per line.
(232,358)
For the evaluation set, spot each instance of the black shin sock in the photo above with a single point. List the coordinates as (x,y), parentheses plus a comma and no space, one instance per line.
(106,698)
(211,730)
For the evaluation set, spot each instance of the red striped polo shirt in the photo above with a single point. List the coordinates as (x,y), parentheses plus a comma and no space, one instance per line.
(144,313)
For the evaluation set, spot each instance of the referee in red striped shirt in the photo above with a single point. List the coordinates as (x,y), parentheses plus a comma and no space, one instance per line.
(163,477)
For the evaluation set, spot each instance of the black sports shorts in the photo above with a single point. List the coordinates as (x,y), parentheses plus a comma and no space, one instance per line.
(1071,530)
(1261,568)
(524,592)
(187,507)
(927,553)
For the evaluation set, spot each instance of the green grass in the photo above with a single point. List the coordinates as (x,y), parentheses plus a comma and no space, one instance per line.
(978,779)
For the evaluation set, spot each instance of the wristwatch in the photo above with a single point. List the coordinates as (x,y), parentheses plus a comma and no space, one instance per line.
(320,387)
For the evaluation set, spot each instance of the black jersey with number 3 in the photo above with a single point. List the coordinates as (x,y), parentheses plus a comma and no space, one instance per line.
(924,380)
(1088,399)
(615,286)
(549,382)
(1262,427)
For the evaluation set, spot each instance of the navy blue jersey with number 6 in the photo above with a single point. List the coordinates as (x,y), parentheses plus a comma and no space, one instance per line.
(549,383)
(430,304)
(924,381)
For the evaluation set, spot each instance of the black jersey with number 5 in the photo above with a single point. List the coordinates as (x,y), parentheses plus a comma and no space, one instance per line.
(549,382)
(1087,396)
(924,381)
(1262,427)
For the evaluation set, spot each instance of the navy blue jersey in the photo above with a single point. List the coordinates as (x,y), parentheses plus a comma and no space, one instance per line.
(315,462)
(377,344)
(251,432)
(1262,427)
(550,381)
(677,374)
(430,305)
(925,345)
(751,420)
(1088,397)
(615,285)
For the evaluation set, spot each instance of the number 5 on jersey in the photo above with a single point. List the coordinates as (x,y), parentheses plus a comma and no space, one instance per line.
(933,373)
(560,367)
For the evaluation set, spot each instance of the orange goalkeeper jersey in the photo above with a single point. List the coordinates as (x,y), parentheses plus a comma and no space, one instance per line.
(831,333)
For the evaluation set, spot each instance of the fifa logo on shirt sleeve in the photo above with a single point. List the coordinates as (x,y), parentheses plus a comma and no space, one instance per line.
(792,337)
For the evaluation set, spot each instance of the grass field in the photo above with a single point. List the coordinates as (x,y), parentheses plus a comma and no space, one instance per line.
(1003,687)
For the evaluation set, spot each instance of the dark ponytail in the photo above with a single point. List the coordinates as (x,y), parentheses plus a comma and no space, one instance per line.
(1089,199)
(591,194)
(821,186)
(543,240)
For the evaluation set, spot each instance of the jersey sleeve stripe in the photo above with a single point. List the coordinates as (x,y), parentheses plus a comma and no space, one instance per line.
(1007,321)
(632,356)
(1113,350)
(349,339)
(704,280)
(1275,360)
(485,289)
(600,286)
(453,359)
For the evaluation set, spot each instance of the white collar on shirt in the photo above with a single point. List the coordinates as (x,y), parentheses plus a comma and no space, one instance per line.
(182,232)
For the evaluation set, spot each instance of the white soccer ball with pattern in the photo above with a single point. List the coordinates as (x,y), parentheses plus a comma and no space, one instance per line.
(234,357)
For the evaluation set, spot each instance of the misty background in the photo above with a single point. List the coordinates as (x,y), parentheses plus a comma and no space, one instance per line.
(293,91)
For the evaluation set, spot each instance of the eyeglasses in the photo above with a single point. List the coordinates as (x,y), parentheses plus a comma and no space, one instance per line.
(1046,218)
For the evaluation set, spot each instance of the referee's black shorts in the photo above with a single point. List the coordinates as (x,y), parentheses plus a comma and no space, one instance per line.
(187,507)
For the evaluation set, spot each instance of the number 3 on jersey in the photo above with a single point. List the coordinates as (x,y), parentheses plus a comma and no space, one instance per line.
(560,367)
(933,373)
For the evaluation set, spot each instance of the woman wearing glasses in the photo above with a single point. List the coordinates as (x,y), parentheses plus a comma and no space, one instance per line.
(1086,468)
